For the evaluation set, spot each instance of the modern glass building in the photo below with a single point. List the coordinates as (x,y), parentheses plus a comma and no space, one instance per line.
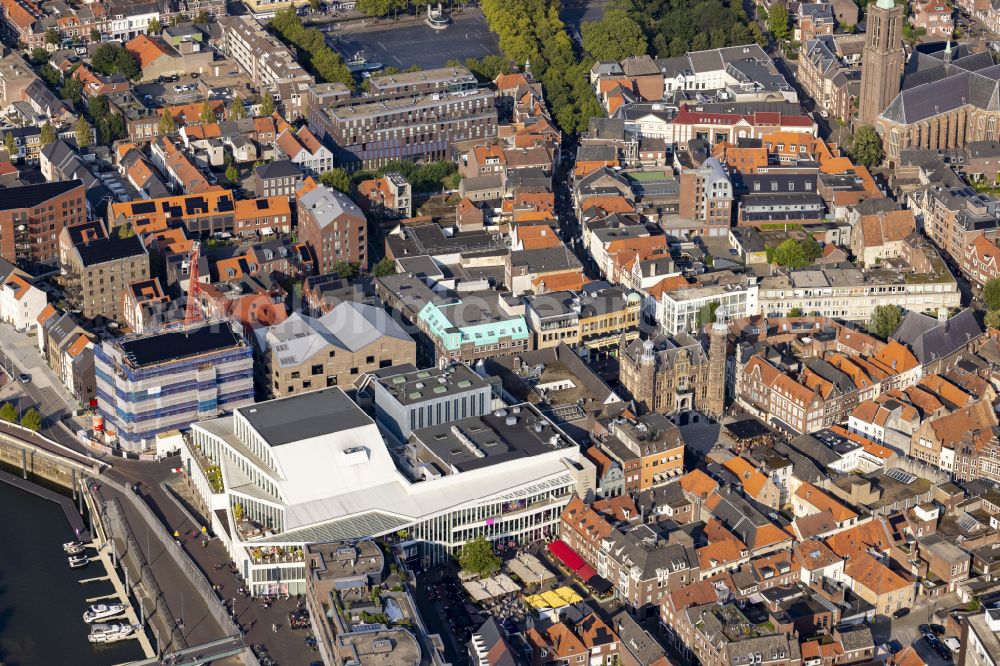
(314,468)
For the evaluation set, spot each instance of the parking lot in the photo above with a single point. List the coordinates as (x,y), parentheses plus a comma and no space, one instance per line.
(417,44)
(906,629)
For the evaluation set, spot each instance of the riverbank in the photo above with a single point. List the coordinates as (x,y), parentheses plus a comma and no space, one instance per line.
(41,598)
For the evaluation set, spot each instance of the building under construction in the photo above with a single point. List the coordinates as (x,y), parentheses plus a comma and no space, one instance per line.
(149,384)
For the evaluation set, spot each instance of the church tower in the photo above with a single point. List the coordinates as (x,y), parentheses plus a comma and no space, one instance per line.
(882,66)
(718,348)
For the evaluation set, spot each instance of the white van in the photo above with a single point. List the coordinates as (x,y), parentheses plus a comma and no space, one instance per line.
(953,644)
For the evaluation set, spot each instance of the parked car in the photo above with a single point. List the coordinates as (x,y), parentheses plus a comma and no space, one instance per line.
(24,378)
(953,644)
(902,612)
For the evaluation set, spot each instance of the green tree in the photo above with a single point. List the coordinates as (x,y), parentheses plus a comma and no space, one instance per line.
(991,294)
(154,27)
(385,267)
(866,147)
(237,110)
(789,254)
(337,179)
(52,37)
(10,145)
(95,35)
(238,512)
(167,123)
(267,105)
(39,56)
(811,250)
(84,133)
(126,231)
(993,319)
(777,21)
(232,174)
(202,18)
(885,319)
(51,75)
(477,557)
(72,89)
(8,413)
(48,134)
(380,7)
(795,312)
(112,58)
(32,420)
(706,315)
(486,68)
(207,114)
(615,37)
(345,269)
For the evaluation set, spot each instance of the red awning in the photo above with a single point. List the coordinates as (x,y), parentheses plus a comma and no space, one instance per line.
(585,573)
(566,554)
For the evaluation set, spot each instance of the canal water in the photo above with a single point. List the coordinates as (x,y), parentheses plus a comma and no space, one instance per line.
(41,598)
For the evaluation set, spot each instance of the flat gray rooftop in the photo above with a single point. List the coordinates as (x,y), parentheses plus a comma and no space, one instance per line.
(490,439)
(304,416)
(410,385)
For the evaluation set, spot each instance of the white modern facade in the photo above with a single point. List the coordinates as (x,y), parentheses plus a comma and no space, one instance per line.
(676,311)
(314,468)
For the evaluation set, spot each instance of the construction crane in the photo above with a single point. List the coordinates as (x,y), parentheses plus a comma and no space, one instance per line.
(192,312)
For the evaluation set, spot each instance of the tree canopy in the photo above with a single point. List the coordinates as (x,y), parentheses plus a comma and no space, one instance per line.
(992,319)
(777,21)
(32,420)
(112,58)
(207,115)
(237,110)
(991,294)
(311,47)
(267,104)
(380,7)
(674,27)
(866,147)
(384,267)
(794,253)
(422,177)
(477,557)
(346,269)
(83,132)
(167,123)
(884,320)
(530,31)
(8,412)
(337,179)
(48,134)
(615,37)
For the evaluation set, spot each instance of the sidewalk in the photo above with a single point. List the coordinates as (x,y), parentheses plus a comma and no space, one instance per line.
(20,355)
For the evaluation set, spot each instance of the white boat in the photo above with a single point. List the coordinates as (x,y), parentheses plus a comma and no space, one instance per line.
(98,612)
(78,561)
(110,633)
(73,547)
